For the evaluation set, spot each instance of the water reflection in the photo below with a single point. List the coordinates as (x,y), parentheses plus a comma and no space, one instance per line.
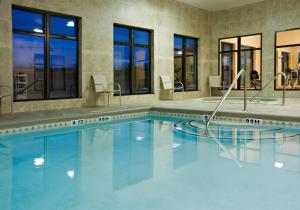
(109,167)
(132,154)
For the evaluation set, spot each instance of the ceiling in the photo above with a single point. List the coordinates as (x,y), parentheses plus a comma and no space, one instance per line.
(214,5)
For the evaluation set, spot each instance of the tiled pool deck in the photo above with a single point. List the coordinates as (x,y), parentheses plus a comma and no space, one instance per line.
(274,111)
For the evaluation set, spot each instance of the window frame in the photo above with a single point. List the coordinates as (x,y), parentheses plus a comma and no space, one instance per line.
(131,45)
(183,66)
(47,36)
(238,51)
(275,56)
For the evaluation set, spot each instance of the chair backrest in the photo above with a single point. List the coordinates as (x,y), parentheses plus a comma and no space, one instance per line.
(167,82)
(214,81)
(100,83)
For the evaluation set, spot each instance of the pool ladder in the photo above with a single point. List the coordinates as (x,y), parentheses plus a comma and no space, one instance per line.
(245,92)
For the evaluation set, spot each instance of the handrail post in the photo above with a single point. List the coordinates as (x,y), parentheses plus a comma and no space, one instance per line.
(284,90)
(245,90)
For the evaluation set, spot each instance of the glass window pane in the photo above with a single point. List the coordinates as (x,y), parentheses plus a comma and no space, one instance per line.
(121,34)
(141,70)
(190,71)
(229,44)
(228,65)
(178,41)
(178,66)
(63,26)
(28,21)
(122,67)
(191,44)
(250,61)
(28,67)
(250,42)
(288,37)
(288,62)
(63,80)
(141,37)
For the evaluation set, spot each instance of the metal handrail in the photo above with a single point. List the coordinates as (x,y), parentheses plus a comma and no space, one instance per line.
(274,78)
(27,87)
(227,93)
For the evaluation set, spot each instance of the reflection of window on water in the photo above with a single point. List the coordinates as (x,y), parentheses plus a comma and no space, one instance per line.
(40,72)
(288,58)
(48,163)
(132,154)
(237,53)
(287,152)
(243,146)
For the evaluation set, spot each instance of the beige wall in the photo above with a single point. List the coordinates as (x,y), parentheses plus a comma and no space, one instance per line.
(164,17)
(264,17)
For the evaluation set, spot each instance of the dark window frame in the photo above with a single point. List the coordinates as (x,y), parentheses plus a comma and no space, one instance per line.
(238,51)
(275,56)
(131,45)
(184,38)
(47,36)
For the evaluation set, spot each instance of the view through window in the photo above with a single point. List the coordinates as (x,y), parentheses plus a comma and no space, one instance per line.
(132,59)
(287,59)
(243,52)
(45,55)
(185,61)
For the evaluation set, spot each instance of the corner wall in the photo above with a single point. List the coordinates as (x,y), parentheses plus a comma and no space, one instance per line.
(264,17)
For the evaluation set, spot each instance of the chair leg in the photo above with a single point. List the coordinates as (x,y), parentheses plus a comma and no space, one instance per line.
(108,98)
(104,99)
(120,98)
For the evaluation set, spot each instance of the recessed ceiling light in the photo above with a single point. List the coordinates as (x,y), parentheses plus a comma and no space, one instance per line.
(71,23)
(37,30)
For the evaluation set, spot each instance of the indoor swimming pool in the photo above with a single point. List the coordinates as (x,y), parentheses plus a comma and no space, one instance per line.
(152,163)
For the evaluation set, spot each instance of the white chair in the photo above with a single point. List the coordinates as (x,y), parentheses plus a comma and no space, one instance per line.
(102,86)
(214,82)
(168,85)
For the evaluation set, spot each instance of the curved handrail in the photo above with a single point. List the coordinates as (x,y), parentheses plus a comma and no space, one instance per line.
(274,78)
(27,87)
(227,93)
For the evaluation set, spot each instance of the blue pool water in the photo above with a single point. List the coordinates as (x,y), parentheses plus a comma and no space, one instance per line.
(152,164)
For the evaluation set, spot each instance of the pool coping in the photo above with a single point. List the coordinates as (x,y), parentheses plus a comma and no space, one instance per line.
(98,116)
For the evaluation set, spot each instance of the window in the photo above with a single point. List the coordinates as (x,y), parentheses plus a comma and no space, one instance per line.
(287,59)
(185,62)
(132,59)
(45,55)
(242,52)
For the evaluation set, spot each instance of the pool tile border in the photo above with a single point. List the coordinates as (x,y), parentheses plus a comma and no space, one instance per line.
(112,117)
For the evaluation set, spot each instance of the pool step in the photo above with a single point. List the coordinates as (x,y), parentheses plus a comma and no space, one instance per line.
(196,130)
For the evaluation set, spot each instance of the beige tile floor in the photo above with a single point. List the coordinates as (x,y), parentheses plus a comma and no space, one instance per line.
(274,110)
